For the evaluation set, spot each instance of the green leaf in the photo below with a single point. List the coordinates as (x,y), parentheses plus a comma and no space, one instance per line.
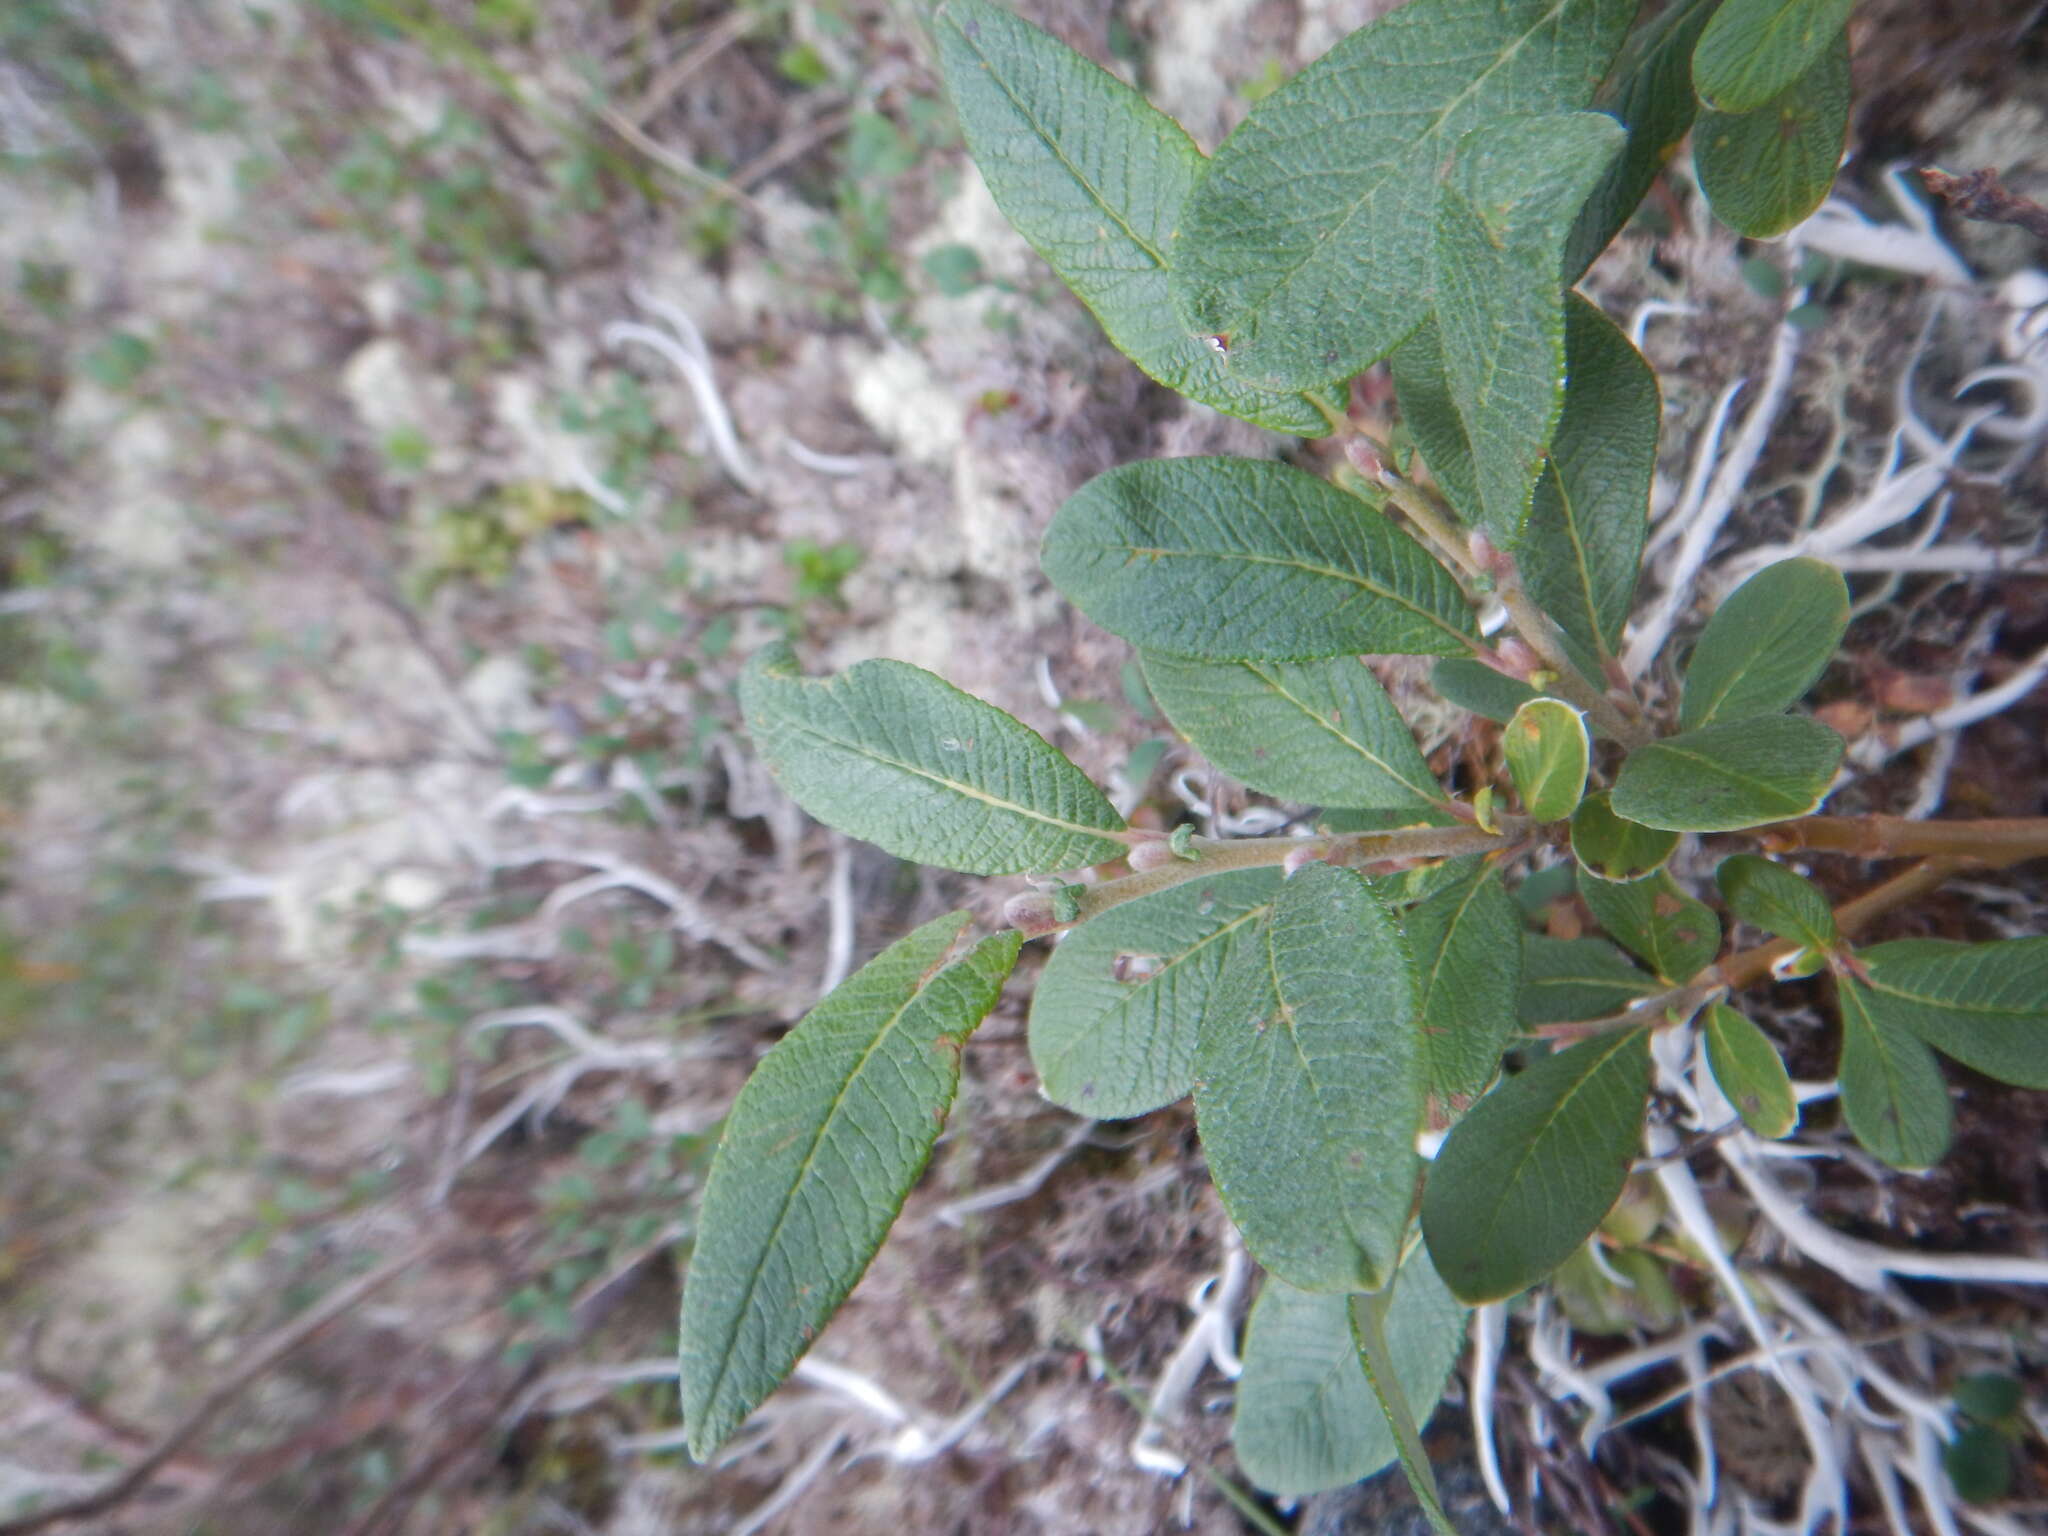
(1567,981)
(1118,1010)
(821,1147)
(1502,217)
(892,754)
(1591,515)
(1766,170)
(1650,91)
(1531,1169)
(1309,1085)
(1369,1316)
(1319,732)
(1891,1088)
(1721,778)
(1423,390)
(1979,1464)
(1989,1397)
(1306,243)
(1767,644)
(1750,1073)
(1248,560)
(1774,899)
(1095,178)
(1755,50)
(1475,686)
(1306,1416)
(1548,753)
(1986,1005)
(1468,949)
(1610,847)
(1673,934)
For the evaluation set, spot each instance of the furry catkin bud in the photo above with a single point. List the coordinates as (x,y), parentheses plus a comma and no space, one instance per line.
(1031,913)
(1153,855)
(1364,458)
(1299,858)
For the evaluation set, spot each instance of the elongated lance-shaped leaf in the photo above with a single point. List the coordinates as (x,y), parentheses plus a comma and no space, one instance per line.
(1767,644)
(1319,732)
(892,754)
(1984,1004)
(1118,1010)
(1094,178)
(1670,932)
(1777,901)
(1309,1085)
(1467,942)
(1584,543)
(1248,560)
(1755,49)
(1890,1085)
(1305,246)
(1610,847)
(1766,170)
(1501,221)
(1567,981)
(1382,1370)
(1750,1073)
(1548,753)
(821,1147)
(1532,1168)
(1721,778)
(1649,91)
(1306,1418)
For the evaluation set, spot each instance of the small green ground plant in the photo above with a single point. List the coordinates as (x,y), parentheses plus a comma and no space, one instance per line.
(1425,194)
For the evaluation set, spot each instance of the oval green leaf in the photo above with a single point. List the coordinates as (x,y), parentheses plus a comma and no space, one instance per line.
(1118,1009)
(1529,1172)
(1248,560)
(1756,49)
(1986,1005)
(1767,644)
(818,1153)
(1750,1073)
(1671,933)
(1776,900)
(1766,170)
(1548,753)
(1309,1085)
(892,754)
(1475,686)
(1891,1087)
(1567,981)
(1611,847)
(1095,178)
(1721,778)
(1318,733)
(1467,945)
(1306,1417)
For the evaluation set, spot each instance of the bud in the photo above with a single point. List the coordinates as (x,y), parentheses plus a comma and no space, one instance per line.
(1364,457)
(1483,552)
(1299,858)
(1030,912)
(1151,854)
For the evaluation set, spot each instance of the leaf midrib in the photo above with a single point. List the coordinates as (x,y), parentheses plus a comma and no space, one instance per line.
(1273,682)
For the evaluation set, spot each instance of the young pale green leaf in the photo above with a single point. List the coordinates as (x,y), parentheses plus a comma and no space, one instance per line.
(1118,1009)
(1755,50)
(1548,753)
(1721,778)
(1514,189)
(1611,847)
(1095,178)
(1750,1074)
(1767,644)
(1467,944)
(1584,541)
(1777,901)
(1319,732)
(1306,1418)
(1369,1319)
(1475,686)
(892,754)
(821,1147)
(1309,1085)
(1986,1005)
(1673,934)
(1532,1168)
(1248,560)
(1766,170)
(1305,245)
(1567,981)
(1649,91)
(1890,1085)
